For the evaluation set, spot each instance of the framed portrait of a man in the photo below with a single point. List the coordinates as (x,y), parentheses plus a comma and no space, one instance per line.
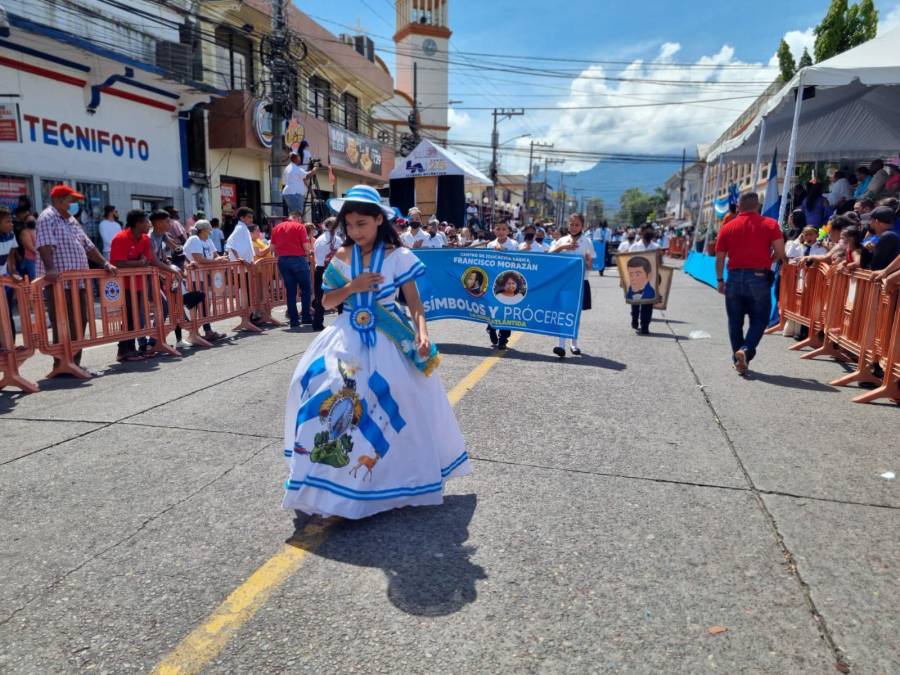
(639,274)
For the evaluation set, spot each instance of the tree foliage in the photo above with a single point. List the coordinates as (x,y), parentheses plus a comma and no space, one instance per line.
(805,60)
(637,207)
(786,64)
(845,27)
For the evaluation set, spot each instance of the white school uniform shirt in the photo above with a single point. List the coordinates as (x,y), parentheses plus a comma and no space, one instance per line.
(624,246)
(508,245)
(639,245)
(535,247)
(108,230)
(239,242)
(409,238)
(600,234)
(437,241)
(796,249)
(585,249)
(326,244)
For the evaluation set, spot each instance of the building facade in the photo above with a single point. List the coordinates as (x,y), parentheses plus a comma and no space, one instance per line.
(422,40)
(336,84)
(108,115)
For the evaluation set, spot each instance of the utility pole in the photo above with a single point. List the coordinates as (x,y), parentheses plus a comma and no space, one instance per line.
(279,67)
(499,113)
(547,163)
(681,189)
(534,145)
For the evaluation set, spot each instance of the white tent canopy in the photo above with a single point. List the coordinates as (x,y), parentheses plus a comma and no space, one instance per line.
(429,159)
(849,111)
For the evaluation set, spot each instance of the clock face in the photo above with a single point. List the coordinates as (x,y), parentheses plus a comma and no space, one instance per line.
(429,47)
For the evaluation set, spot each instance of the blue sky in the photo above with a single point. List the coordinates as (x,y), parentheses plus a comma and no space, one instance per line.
(733,44)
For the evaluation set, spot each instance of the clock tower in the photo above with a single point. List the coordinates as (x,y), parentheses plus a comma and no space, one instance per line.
(423,39)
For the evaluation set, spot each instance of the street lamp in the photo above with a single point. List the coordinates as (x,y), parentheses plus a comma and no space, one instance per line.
(514,139)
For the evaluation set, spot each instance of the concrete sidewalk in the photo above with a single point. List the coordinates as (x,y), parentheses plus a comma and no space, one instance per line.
(622,505)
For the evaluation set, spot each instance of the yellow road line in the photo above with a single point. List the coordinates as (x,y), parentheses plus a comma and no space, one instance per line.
(195,651)
(465,385)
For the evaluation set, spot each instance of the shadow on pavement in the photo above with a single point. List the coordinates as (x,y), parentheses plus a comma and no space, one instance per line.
(513,353)
(421,551)
(790,382)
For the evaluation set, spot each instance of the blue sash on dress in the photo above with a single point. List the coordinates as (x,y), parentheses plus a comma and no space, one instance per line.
(394,325)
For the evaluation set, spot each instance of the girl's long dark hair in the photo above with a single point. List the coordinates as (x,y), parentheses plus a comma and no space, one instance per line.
(385,234)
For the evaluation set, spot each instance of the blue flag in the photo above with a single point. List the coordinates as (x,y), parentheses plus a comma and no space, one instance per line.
(529,292)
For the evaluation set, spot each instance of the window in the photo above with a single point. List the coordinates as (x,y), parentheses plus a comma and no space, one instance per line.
(48,184)
(350,106)
(13,189)
(96,196)
(320,98)
(233,68)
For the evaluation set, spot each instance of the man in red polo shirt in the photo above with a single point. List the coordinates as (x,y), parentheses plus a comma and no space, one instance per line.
(131,248)
(751,243)
(291,244)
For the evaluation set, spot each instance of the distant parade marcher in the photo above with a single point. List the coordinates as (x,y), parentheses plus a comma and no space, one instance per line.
(414,237)
(642,315)
(627,242)
(501,242)
(367,425)
(751,242)
(578,244)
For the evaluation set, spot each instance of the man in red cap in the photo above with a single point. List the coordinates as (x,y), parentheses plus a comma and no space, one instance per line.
(64,247)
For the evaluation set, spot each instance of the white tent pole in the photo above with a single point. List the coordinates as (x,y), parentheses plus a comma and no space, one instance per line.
(702,202)
(759,147)
(792,153)
(715,196)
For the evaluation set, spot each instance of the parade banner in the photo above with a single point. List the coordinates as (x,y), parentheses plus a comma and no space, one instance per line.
(528,292)
(599,255)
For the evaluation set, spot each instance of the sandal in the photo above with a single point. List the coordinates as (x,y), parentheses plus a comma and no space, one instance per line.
(131,357)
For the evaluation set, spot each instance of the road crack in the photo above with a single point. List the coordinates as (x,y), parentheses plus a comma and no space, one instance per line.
(147,522)
(106,425)
(819,620)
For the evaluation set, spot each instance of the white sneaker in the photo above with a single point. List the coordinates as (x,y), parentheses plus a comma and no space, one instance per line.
(181,344)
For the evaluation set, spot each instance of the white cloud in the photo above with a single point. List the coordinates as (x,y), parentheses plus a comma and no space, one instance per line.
(657,129)
(888,21)
(458,119)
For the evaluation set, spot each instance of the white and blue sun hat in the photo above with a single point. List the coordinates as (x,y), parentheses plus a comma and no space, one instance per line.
(363,194)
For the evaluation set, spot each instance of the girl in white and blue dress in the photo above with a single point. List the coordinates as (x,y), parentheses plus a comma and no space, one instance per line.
(368,426)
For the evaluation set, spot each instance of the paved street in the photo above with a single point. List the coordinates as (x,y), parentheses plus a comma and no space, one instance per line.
(624,508)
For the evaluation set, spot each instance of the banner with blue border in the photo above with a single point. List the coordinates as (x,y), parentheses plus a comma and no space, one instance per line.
(599,255)
(528,292)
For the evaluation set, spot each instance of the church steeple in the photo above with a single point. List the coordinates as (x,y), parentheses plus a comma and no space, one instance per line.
(423,17)
(422,39)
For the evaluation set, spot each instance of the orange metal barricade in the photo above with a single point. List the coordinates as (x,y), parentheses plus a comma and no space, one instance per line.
(123,308)
(858,323)
(226,286)
(838,285)
(677,247)
(810,312)
(11,356)
(268,290)
(887,346)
